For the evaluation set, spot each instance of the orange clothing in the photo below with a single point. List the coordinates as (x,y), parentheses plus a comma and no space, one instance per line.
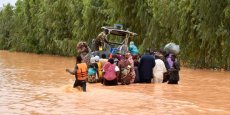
(82,71)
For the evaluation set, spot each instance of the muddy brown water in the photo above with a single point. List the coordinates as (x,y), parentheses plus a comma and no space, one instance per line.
(38,84)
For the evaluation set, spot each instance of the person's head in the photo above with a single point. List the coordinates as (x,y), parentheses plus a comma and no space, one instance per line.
(166,55)
(111,60)
(78,59)
(97,58)
(103,56)
(147,50)
(135,57)
(173,57)
(127,55)
(152,52)
(131,43)
(163,52)
(157,57)
(82,47)
(119,57)
(114,56)
(90,66)
(101,36)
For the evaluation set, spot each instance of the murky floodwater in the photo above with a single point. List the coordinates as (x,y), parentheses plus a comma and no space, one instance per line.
(38,84)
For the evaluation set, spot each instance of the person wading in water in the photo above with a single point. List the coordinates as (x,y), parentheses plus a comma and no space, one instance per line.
(80,72)
(145,68)
(174,71)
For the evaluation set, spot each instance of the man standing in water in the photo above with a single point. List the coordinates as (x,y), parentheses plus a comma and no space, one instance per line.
(159,69)
(80,72)
(145,67)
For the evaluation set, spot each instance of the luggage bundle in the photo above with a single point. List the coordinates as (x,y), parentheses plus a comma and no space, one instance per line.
(172,48)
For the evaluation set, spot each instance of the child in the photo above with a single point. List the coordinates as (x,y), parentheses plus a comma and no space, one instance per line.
(99,70)
(92,71)
(174,71)
(80,72)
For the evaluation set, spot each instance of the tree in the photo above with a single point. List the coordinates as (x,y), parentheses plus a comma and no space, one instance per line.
(6,24)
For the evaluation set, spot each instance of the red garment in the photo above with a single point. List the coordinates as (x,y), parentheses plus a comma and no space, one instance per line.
(109,70)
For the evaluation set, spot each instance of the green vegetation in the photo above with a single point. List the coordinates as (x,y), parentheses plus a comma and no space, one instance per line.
(200,27)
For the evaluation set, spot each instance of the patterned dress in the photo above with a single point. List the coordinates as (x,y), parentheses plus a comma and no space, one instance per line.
(125,72)
(132,69)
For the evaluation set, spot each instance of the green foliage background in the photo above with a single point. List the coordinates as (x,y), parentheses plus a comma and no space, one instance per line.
(200,27)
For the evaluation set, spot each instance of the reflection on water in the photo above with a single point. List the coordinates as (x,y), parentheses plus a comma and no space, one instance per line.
(38,84)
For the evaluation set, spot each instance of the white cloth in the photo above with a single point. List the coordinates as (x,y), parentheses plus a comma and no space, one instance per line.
(117,69)
(158,71)
(96,58)
(92,60)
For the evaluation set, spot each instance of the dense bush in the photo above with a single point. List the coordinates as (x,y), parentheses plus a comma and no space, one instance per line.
(200,27)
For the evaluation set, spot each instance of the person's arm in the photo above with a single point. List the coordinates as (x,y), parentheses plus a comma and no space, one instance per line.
(154,62)
(96,66)
(167,65)
(177,66)
(72,71)
(120,65)
(140,63)
(164,68)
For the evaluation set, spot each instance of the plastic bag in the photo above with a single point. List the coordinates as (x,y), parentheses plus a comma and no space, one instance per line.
(133,49)
(172,48)
(100,48)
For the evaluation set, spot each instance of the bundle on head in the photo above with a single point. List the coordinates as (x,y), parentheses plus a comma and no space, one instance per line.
(172,48)
(82,47)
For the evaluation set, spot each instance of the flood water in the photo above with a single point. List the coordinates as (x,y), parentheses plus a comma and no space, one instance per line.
(38,84)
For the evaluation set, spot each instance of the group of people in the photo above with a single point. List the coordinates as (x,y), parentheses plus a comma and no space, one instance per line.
(152,67)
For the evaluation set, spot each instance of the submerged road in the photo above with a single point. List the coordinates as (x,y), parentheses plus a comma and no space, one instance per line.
(38,84)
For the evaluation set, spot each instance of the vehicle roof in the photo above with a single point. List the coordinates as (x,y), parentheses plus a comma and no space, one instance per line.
(118,32)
